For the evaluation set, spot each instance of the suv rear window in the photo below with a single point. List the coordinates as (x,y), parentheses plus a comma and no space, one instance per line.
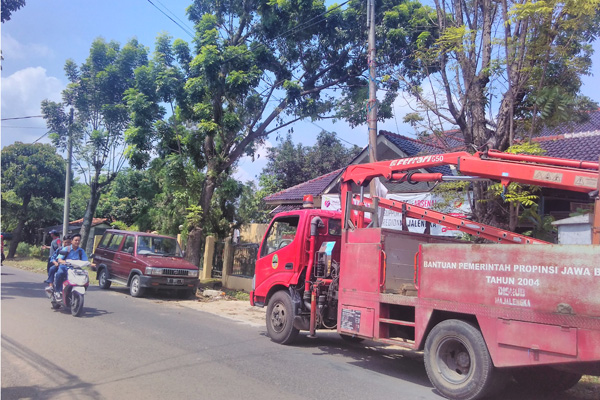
(105,240)
(115,242)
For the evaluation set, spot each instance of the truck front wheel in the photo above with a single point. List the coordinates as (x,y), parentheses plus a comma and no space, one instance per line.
(280,318)
(458,362)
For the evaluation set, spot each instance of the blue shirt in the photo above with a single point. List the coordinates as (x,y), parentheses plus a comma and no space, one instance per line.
(78,254)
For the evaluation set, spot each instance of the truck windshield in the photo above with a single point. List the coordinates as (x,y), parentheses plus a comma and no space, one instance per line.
(159,246)
(281,234)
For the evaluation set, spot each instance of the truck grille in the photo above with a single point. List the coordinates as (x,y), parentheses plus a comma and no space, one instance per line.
(180,272)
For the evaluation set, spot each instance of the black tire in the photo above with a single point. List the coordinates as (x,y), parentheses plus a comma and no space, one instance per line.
(458,362)
(351,339)
(545,379)
(103,281)
(135,287)
(76,304)
(280,319)
(55,306)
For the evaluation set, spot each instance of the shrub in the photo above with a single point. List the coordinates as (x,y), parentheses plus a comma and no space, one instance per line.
(27,250)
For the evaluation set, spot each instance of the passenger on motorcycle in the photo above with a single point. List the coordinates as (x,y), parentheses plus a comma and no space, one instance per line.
(73,252)
(54,262)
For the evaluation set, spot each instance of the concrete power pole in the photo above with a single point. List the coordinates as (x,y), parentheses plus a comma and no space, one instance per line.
(68,179)
(372,105)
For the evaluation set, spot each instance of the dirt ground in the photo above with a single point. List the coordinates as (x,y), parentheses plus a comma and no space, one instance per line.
(237,310)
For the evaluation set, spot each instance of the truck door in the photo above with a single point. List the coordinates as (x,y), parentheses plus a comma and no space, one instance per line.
(279,255)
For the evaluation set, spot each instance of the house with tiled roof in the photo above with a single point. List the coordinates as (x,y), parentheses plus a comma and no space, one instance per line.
(291,198)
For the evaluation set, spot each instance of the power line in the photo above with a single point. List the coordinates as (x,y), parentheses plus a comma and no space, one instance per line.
(41,137)
(23,127)
(185,29)
(29,116)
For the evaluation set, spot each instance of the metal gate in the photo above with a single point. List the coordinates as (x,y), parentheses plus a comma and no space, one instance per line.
(217,261)
(244,259)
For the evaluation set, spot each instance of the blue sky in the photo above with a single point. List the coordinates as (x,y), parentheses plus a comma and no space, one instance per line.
(40,37)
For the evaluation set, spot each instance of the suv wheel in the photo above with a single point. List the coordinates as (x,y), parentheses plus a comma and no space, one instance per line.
(103,281)
(135,287)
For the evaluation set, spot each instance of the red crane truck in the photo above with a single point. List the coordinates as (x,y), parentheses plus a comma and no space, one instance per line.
(479,312)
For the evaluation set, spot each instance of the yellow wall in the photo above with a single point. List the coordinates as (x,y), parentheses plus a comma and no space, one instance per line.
(253,233)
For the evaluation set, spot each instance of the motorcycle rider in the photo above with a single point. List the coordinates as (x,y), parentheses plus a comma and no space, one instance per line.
(72,252)
(55,245)
(54,261)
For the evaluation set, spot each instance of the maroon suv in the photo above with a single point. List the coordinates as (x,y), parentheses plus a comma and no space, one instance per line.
(144,260)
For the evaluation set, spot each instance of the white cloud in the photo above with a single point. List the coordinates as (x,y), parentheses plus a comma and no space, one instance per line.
(13,49)
(22,94)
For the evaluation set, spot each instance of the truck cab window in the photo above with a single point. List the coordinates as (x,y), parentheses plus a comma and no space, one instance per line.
(335,227)
(281,234)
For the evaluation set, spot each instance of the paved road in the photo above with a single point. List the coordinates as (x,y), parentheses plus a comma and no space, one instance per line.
(124,347)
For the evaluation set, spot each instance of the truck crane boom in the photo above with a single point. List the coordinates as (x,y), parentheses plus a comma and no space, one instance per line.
(558,173)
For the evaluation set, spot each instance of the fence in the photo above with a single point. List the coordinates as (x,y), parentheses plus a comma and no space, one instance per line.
(244,259)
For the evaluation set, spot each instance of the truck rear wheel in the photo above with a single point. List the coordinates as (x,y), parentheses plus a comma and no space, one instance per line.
(280,319)
(458,362)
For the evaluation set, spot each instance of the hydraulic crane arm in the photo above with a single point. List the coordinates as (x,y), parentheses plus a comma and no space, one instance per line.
(558,173)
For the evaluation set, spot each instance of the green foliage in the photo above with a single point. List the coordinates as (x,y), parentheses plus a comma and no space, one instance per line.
(290,165)
(33,175)
(531,148)
(194,216)
(32,170)
(507,68)
(130,199)
(253,67)
(10,6)
(542,224)
(27,250)
(97,98)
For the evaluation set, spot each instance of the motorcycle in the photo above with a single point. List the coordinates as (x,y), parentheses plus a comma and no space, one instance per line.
(74,288)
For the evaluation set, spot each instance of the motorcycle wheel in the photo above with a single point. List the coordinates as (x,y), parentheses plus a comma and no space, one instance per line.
(55,306)
(76,304)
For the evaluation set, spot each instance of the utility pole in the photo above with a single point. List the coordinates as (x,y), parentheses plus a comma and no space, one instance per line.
(68,179)
(372,104)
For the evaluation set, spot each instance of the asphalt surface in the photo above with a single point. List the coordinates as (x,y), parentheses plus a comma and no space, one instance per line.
(123,347)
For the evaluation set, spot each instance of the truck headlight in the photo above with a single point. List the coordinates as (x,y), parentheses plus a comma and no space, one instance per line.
(154,271)
(193,273)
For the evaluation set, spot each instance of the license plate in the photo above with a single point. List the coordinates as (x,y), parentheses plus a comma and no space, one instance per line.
(173,281)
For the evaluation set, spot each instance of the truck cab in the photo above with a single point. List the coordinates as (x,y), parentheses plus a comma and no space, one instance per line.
(284,253)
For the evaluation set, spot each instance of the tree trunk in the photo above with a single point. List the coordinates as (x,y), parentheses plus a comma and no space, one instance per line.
(196,233)
(193,246)
(88,217)
(19,230)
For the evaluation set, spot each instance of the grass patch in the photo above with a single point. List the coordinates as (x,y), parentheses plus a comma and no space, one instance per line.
(39,267)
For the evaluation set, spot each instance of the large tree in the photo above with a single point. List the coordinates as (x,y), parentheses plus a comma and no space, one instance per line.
(497,67)
(256,66)
(30,172)
(97,115)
